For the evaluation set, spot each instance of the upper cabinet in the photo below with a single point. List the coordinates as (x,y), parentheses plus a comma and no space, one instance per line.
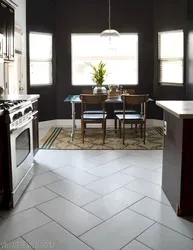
(7,23)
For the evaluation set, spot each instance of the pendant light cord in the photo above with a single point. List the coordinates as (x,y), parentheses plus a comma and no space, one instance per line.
(109,14)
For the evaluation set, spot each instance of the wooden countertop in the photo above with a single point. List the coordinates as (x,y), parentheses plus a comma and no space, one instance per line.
(180,109)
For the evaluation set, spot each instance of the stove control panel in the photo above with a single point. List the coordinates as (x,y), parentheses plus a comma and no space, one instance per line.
(21,115)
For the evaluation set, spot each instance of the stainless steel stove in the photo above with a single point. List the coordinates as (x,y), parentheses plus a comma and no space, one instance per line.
(17,167)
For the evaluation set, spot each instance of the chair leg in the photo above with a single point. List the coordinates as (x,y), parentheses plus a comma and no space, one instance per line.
(82,130)
(123,132)
(136,128)
(141,130)
(119,128)
(104,131)
(115,124)
(144,133)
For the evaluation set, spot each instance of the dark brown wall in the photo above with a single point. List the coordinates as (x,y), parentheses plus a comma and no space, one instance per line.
(91,16)
(86,16)
(41,18)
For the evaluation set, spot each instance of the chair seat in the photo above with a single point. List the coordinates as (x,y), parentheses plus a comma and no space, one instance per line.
(93,116)
(130,117)
(128,111)
(94,112)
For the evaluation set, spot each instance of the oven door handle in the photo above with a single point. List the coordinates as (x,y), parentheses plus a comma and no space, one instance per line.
(23,125)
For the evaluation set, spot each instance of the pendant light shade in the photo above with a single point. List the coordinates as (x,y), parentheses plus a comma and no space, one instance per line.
(110,32)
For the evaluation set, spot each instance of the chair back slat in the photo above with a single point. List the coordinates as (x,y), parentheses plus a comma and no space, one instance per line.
(129,91)
(93,99)
(134,99)
(87,91)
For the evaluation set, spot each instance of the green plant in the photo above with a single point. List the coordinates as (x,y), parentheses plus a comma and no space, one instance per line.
(99,73)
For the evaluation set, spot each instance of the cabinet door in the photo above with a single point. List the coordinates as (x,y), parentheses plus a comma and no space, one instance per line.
(35,133)
(11,31)
(4,11)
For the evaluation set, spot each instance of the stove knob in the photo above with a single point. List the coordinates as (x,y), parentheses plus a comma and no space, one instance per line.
(20,114)
(15,117)
(26,111)
(30,109)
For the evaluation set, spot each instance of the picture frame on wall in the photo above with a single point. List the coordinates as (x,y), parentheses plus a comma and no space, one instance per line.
(1,46)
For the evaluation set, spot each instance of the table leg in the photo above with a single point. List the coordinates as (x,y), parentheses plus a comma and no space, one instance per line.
(73,120)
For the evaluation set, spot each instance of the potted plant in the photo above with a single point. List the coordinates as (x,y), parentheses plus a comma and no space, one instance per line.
(98,76)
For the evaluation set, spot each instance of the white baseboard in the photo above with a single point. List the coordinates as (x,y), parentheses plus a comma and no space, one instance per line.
(110,123)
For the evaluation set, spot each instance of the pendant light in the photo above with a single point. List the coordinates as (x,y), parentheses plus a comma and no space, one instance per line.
(110,32)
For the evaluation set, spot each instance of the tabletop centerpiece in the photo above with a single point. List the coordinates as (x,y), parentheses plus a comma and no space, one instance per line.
(98,76)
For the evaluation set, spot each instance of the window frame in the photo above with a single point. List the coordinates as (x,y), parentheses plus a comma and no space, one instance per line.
(47,85)
(106,85)
(174,84)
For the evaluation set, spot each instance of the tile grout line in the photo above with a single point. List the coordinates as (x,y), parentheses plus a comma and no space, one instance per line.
(144,243)
(30,208)
(28,242)
(160,223)
(138,236)
(146,196)
(21,236)
(75,204)
(64,227)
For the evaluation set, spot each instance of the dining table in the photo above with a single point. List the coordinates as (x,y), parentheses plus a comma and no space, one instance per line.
(75,99)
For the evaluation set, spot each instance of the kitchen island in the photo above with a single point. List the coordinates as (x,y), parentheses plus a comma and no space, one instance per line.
(177,178)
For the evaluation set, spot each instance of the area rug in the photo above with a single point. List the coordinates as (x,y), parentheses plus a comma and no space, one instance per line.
(59,138)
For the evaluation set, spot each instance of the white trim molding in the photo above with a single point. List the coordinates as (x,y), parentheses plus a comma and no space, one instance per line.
(67,123)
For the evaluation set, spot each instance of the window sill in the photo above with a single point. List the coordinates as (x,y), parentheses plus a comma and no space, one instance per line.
(171,84)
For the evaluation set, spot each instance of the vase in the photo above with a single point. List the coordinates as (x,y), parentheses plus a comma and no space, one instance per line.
(99,90)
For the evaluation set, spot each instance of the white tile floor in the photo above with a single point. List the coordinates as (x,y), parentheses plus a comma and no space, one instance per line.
(101,200)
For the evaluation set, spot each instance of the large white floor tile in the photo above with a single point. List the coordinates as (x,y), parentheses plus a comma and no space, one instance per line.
(110,183)
(22,223)
(135,245)
(113,203)
(163,214)
(73,192)
(16,244)
(40,169)
(117,231)
(142,161)
(31,199)
(144,174)
(68,215)
(159,237)
(43,179)
(109,168)
(159,170)
(53,236)
(53,159)
(77,175)
(108,156)
(148,189)
(83,164)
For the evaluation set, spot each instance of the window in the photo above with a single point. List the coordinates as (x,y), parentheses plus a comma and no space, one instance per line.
(170,56)
(121,60)
(40,59)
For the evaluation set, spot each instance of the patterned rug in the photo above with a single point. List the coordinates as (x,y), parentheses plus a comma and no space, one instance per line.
(59,138)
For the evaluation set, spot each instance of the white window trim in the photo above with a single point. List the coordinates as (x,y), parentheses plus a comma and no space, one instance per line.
(46,84)
(180,59)
(101,58)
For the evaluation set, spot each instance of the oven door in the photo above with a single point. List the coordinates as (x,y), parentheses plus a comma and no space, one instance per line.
(21,155)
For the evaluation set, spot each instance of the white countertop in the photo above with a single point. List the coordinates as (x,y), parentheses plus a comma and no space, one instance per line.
(180,109)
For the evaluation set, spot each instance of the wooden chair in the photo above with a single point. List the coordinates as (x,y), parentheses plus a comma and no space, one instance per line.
(120,111)
(93,118)
(90,92)
(138,118)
